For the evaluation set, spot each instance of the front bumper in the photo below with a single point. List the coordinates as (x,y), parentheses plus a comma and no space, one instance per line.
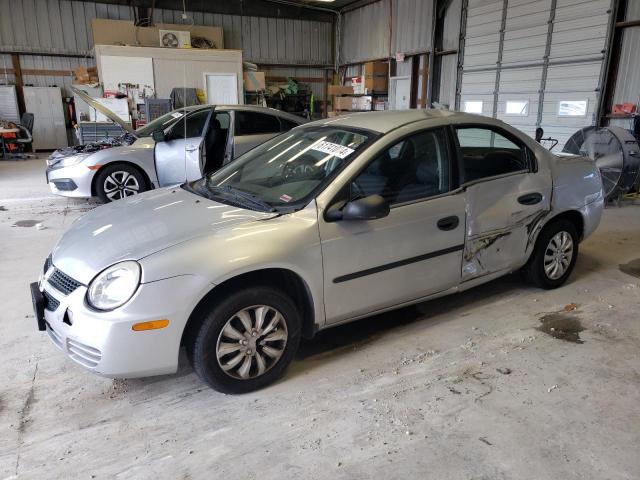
(105,343)
(72,181)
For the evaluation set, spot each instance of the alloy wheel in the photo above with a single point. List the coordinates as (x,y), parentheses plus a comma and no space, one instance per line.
(251,342)
(558,255)
(120,184)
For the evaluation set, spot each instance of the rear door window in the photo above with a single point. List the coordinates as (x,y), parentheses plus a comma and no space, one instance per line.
(286,125)
(487,153)
(253,123)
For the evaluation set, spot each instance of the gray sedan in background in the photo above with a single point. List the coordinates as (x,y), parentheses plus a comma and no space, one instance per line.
(328,223)
(180,146)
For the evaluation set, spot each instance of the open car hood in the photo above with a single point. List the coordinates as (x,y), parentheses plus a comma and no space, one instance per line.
(104,110)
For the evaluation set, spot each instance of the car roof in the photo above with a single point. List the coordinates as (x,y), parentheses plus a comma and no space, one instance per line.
(267,110)
(385,121)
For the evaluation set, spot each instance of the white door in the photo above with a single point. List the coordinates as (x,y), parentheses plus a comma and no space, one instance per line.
(401,87)
(49,130)
(413,252)
(221,88)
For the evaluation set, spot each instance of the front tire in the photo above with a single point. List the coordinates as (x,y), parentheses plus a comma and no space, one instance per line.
(114,182)
(246,341)
(554,255)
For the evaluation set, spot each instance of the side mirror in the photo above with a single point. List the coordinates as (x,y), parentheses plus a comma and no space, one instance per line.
(159,136)
(367,208)
(539,134)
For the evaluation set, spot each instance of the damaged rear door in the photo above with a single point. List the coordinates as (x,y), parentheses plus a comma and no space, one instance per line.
(507,198)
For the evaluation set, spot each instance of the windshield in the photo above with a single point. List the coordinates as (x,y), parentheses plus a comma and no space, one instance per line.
(287,169)
(161,123)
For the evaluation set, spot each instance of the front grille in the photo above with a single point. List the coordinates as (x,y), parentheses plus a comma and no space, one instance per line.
(83,354)
(63,282)
(50,302)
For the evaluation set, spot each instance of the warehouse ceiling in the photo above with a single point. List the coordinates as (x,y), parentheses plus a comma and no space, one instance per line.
(300,9)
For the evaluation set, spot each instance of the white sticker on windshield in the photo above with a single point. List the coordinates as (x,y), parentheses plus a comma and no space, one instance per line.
(339,151)
(176,114)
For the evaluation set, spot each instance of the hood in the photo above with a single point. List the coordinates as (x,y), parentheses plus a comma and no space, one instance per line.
(102,109)
(89,148)
(131,229)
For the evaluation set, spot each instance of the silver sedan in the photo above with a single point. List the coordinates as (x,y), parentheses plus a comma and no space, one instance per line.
(328,223)
(182,145)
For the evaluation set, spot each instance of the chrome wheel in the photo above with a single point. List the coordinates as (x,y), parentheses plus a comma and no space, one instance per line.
(120,184)
(558,255)
(251,342)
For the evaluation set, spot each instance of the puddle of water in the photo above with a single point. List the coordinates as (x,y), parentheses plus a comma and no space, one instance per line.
(631,268)
(26,223)
(562,326)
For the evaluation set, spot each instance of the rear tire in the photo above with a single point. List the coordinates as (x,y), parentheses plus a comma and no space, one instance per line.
(117,181)
(246,340)
(554,255)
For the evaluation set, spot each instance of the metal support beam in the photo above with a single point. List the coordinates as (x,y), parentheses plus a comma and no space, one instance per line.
(461,41)
(609,75)
(545,65)
(17,72)
(496,90)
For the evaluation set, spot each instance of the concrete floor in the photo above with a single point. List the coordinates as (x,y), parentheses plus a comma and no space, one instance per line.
(465,387)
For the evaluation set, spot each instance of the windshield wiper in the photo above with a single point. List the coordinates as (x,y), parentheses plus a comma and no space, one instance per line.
(245,196)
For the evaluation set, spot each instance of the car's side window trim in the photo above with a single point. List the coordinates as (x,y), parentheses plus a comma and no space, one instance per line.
(532,165)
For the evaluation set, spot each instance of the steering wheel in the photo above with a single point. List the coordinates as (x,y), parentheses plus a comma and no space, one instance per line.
(304,169)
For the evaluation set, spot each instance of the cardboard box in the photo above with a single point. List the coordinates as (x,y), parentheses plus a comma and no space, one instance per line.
(340,90)
(376,76)
(362,103)
(379,105)
(84,75)
(343,103)
(124,32)
(358,85)
(378,69)
(254,81)
(352,103)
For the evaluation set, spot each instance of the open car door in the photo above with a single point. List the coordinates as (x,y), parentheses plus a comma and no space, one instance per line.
(177,158)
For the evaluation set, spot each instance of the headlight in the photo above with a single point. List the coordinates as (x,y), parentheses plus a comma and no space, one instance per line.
(72,160)
(114,286)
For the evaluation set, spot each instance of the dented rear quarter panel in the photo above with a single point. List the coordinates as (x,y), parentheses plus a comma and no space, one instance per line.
(577,185)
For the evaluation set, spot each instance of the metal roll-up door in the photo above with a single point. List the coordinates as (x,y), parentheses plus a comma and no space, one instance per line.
(572,87)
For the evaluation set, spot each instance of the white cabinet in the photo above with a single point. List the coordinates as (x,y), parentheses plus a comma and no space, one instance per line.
(49,131)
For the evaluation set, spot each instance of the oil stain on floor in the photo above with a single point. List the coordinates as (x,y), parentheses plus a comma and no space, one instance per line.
(631,268)
(26,223)
(562,326)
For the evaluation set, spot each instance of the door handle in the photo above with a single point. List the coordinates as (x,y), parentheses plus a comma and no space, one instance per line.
(448,223)
(192,148)
(530,198)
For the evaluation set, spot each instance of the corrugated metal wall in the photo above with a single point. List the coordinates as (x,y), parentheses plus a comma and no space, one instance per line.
(412,25)
(628,80)
(364,33)
(516,66)
(449,66)
(65,26)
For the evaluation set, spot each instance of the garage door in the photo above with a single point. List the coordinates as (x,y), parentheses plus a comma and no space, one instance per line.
(578,44)
(534,63)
